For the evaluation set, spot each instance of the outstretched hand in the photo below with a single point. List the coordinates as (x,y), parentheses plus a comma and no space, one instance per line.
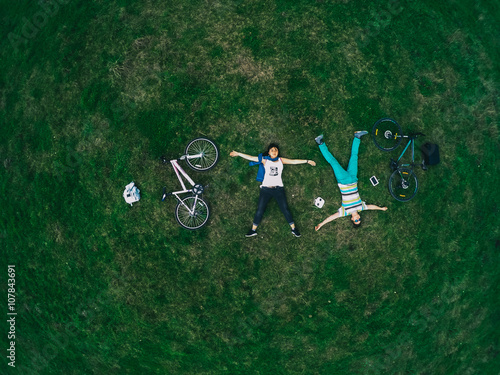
(384,208)
(311,162)
(317,227)
(233,153)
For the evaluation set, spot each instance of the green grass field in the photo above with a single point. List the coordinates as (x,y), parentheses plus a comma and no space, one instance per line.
(92,93)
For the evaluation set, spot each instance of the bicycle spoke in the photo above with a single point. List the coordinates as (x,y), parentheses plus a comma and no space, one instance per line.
(192,213)
(208,151)
(403,184)
(386,134)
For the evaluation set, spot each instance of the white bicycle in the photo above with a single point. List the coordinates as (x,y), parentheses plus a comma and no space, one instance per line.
(192,212)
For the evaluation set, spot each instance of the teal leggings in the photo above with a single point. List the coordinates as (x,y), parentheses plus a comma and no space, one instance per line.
(344,177)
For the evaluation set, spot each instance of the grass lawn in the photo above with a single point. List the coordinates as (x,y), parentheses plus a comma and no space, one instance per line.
(92,93)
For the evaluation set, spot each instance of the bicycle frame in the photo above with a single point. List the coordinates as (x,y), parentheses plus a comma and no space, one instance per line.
(179,171)
(412,143)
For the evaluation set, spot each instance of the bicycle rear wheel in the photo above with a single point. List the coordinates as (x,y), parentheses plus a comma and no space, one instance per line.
(387,134)
(190,216)
(403,184)
(206,151)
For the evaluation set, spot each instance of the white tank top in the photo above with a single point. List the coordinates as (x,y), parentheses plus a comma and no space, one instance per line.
(272,175)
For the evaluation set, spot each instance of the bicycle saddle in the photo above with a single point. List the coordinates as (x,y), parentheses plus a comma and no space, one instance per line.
(415,135)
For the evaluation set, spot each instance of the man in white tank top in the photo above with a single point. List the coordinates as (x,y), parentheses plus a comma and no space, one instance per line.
(272,175)
(272,185)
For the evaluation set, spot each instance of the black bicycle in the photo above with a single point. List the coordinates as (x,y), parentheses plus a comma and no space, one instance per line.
(387,135)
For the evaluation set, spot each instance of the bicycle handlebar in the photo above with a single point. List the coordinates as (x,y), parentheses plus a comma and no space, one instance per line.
(415,135)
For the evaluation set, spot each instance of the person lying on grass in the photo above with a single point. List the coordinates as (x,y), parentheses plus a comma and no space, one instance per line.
(272,185)
(348,183)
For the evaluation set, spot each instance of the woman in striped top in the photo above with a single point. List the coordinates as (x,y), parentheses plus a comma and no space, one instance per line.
(348,183)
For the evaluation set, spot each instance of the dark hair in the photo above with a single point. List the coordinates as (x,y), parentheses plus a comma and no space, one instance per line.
(271,145)
(356,225)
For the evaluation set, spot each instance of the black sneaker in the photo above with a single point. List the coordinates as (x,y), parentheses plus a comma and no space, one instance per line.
(296,232)
(251,233)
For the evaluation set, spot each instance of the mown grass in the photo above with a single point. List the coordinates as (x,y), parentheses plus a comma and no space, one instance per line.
(92,101)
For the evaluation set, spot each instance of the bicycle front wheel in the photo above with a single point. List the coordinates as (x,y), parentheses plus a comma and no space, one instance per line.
(387,134)
(202,154)
(192,213)
(403,184)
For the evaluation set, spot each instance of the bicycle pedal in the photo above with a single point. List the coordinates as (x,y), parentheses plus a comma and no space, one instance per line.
(165,194)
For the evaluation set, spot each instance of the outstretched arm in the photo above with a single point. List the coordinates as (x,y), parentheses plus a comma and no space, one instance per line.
(244,156)
(373,207)
(298,161)
(327,220)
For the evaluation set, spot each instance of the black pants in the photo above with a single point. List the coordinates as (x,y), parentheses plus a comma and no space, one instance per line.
(266,194)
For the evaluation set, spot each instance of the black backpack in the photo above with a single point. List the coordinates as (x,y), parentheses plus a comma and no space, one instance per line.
(430,153)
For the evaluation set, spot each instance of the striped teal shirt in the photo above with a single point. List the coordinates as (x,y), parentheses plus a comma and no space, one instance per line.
(351,201)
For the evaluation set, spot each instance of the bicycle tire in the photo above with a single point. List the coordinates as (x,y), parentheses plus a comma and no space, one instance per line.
(209,151)
(387,134)
(403,184)
(194,221)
